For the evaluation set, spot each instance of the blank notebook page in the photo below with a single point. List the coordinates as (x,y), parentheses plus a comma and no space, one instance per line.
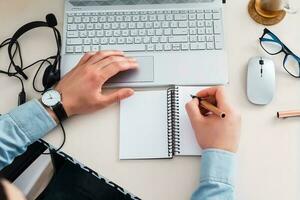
(143,126)
(188,142)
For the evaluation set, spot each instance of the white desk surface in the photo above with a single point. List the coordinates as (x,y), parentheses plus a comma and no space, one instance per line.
(269,155)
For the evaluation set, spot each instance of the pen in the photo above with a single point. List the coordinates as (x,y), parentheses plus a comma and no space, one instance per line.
(287,114)
(210,107)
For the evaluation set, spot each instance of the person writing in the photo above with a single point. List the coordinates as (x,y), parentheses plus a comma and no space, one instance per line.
(81,92)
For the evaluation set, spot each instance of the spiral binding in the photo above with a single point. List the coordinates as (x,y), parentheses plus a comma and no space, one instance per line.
(173,121)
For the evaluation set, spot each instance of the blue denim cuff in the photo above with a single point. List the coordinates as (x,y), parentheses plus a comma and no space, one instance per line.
(218,165)
(33,119)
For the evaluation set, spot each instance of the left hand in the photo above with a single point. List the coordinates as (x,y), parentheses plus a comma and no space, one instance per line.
(81,88)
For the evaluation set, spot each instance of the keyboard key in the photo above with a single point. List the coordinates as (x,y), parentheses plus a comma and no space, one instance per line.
(158,47)
(112,40)
(185,46)
(208,23)
(72,34)
(121,40)
(150,47)
(70,19)
(103,40)
(200,23)
(83,34)
(85,19)
(193,38)
(176,47)
(129,40)
(126,48)
(164,39)
(193,31)
(94,19)
(89,26)
(201,38)
(208,16)
(167,47)
(87,41)
(138,40)
(180,31)
(69,49)
(217,27)
(179,39)
(77,19)
(102,19)
(183,24)
(180,17)
(100,33)
(201,31)
(74,41)
(125,32)
(96,41)
(78,49)
(81,26)
(217,16)
(95,48)
(92,33)
(200,16)
(192,24)
(154,39)
(161,17)
(86,48)
(169,17)
(158,32)
(72,27)
(174,24)
(198,46)
(192,16)
(210,45)
(209,31)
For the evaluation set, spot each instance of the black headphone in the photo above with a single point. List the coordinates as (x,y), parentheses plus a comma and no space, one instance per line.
(52,72)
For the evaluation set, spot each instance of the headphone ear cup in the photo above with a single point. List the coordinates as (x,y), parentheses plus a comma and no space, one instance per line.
(50,77)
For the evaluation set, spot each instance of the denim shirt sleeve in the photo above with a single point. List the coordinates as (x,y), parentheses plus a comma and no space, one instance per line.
(21,127)
(217,176)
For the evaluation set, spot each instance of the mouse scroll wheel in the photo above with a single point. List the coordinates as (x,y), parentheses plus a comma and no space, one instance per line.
(261,62)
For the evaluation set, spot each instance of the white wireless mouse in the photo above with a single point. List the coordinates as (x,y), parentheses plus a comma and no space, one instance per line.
(260,80)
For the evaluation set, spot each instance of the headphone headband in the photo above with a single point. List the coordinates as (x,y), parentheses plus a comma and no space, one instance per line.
(50,22)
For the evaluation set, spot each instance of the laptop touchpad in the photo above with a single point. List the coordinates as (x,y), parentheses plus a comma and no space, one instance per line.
(144,73)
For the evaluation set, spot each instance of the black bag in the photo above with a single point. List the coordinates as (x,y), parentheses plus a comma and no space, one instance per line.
(71,180)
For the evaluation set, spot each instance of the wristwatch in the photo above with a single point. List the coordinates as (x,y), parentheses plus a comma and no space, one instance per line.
(52,100)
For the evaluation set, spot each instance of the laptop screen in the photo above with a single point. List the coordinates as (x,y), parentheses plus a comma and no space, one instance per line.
(130,2)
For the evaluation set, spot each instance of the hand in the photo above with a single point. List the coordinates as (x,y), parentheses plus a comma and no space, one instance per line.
(81,88)
(212,131)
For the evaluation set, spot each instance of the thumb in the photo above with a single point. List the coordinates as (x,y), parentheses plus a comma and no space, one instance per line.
(118,96)
(193,111)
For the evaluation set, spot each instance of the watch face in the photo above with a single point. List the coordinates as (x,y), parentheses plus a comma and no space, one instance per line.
(51,98)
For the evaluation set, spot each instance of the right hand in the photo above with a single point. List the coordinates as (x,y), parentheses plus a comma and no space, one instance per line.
(212,131)
(81,88)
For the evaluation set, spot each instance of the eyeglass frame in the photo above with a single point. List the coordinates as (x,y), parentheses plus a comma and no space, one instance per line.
(284,49)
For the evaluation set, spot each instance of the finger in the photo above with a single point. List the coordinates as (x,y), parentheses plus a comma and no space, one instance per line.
(114,68)
(217,92)
(109,60)
(85,58)
(117,96)
(100,55)
(193,111)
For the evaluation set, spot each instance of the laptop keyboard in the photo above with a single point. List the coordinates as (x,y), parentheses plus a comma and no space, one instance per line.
(145,31)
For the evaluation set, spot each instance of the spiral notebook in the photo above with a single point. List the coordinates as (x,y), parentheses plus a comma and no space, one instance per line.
(154,124)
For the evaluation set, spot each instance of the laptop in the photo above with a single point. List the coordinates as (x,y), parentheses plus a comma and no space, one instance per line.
(176,42)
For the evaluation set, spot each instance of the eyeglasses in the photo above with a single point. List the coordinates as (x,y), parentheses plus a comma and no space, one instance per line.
(273,46)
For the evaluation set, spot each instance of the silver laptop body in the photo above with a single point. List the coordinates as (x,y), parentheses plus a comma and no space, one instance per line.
(176,42)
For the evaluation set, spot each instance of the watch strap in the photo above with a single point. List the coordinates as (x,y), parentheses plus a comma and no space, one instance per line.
(60,112)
